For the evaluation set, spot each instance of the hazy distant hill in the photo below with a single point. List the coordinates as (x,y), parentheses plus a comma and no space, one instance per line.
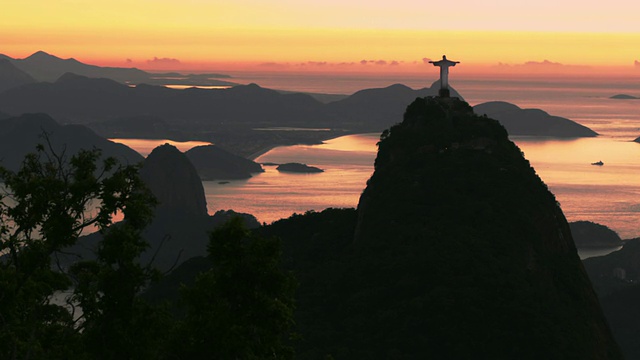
(46,67)
(533,122)
(80,99)
(20,135)
(11,76)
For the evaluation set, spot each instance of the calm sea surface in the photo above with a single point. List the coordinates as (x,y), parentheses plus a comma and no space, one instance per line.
(608,194)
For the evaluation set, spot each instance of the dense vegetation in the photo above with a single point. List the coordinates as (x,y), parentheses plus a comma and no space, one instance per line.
(242,308)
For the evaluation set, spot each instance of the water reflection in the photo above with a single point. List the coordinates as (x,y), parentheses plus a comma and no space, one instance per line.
(608,194)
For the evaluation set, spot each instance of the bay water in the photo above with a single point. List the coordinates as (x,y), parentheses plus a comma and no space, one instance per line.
(608,194)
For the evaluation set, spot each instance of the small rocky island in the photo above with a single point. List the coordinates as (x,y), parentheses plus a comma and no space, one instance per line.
(298,168)
(624,97)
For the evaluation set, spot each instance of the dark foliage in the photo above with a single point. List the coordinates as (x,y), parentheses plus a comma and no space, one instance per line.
(44,207)
(242,308)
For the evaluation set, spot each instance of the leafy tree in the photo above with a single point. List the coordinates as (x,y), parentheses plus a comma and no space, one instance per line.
(243,307)
(44,208)
(116,322)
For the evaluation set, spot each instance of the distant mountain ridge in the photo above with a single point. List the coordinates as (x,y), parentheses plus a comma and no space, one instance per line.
(20,135)
(11,76)
(75,92)
(46,67)
(79,99)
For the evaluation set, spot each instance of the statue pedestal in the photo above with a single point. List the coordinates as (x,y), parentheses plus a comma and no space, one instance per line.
(444,93)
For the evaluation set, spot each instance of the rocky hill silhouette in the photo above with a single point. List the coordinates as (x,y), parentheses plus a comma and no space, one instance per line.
(174,181)
(180,228)
(181,223)
(455,225)
(534,122)
(215,163)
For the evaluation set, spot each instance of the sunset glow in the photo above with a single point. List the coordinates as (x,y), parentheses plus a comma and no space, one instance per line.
(321,35)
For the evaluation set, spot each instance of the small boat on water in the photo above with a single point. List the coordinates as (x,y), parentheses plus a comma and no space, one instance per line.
(599,163)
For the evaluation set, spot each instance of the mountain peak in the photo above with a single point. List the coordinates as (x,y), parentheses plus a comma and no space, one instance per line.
(456,220)
(41,55)
(174,181)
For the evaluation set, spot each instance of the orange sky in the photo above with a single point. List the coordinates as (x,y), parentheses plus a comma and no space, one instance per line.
(285,34)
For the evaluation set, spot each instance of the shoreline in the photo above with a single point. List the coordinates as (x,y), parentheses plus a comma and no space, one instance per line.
(253,156)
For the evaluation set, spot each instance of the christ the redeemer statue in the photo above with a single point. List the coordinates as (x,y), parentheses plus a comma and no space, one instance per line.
(444,65)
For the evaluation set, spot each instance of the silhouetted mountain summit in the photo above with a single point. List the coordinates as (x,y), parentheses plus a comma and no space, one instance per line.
(11,76)
(180,226)
(467,249)
(174,181)
(215,163)
(533,122)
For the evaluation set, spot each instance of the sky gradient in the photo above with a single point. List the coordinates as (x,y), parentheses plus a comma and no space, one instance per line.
(327,34)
